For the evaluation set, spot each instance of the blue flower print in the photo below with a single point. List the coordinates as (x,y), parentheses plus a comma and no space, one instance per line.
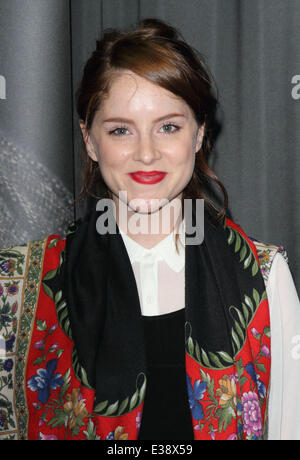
(194,394)
(10,343)
(5,266)
(4,316)
(45,380)
(261,388)
(255,377)
(8,365)
(251,371)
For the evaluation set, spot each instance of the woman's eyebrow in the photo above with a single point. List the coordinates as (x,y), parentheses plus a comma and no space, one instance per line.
(126,120)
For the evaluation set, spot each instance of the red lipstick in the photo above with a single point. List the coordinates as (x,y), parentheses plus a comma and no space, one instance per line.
(147,177)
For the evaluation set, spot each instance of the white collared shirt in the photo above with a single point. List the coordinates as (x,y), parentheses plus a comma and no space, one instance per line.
(159,274)
(158,268)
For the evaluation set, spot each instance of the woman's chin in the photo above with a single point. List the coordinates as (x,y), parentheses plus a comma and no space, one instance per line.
(147,205)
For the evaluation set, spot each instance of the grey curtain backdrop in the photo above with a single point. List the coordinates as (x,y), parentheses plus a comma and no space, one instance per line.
(253,50)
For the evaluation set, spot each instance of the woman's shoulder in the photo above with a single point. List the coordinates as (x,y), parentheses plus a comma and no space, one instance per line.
(21,259)
(266,254)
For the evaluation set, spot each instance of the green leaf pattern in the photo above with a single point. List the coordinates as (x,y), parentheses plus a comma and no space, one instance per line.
(129,404)
(242,315)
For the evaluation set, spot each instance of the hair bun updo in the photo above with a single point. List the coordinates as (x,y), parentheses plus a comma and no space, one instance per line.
(146,29)
(152,27)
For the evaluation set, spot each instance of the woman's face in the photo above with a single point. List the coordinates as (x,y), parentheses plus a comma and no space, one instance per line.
(142,128)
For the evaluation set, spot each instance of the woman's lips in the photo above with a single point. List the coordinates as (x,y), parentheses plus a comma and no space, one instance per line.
(147,177)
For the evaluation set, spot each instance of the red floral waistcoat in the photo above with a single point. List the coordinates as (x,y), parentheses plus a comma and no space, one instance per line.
(44,393)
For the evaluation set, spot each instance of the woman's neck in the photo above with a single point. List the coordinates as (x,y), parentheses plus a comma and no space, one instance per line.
(148,229)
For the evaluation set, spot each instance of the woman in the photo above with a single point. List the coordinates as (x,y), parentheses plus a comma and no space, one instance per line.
(116,333)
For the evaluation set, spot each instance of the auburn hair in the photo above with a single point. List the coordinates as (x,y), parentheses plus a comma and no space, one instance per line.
(156,51)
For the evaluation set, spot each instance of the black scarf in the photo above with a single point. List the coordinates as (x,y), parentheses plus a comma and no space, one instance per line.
(104,312)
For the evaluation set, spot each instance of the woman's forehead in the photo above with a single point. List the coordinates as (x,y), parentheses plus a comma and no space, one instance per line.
(131,93)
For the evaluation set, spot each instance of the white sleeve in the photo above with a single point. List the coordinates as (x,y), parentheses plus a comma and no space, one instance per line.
(284,399)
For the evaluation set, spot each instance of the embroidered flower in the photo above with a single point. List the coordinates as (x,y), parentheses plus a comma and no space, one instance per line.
(4,316)
(53,347)
(251,371)
(251,414)
(9,343)
(15,324)
(46,437)
(211,431)
(8,365)
(23,335)
(227,391)
(21,411)
(117,435)
(3,420)
(255,333)
(28,310)
(1,289)
(13,289)
(264,257)
(265,351)
(8,266)
(31,286)
(45,380)
(261,388)
(35,263)
(12,265)
(5,266)
(39,345)
(256,379)
(232,437)
(75,406)
(52,329)
(14,307)
(194,395)
(138,420)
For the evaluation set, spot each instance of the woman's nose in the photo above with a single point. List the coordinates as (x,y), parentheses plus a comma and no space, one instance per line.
(146,150)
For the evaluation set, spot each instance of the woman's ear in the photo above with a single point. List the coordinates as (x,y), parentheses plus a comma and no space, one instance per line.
(87,140)
(199,137)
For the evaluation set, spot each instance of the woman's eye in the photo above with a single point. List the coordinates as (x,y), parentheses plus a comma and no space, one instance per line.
(118,131)
(170,131)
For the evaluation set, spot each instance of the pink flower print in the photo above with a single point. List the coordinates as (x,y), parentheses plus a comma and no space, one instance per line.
(46,437)
(265,351)
(251,414)
(39,345)
(232,437)
(138,420)
(53,347)
(255,333)
(14,307)
(52,328)
(13,289)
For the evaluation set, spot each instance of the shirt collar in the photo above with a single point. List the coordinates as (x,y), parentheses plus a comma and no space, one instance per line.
(164,250)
